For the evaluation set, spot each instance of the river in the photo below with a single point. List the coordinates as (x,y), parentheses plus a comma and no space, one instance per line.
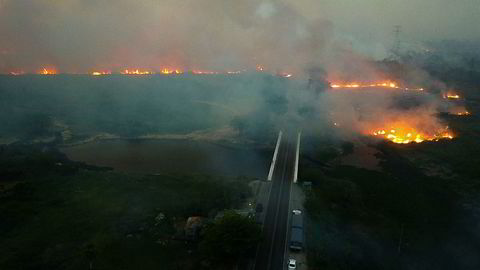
(172,156)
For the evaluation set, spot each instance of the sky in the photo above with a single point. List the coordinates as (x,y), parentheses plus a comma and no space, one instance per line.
(85,35)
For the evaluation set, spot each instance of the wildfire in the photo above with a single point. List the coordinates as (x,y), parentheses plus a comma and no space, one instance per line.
(100,73)
(136,72)
(384,84)
(451,95)
(405,135)
(46,71)
(458,110)
(168,71)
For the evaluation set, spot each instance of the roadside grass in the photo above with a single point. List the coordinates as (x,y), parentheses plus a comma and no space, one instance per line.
(107,218)
(399,218)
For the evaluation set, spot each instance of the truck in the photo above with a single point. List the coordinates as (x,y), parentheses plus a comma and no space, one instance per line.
(296,239)
(297,221)
(296,234)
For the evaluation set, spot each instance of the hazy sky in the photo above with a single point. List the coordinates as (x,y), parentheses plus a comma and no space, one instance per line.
(82,35)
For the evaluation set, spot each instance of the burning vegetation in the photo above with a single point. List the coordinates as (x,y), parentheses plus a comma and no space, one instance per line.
(451,95)
(168,71)
(48,71)
(136,72)
(459,110)
(382,84)
(161,71)
(404,134)
(100,73)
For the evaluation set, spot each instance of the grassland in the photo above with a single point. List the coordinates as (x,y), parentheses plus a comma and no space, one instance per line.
(58,214)
(420,211)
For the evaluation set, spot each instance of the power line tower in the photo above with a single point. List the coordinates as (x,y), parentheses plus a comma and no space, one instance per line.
(397,30)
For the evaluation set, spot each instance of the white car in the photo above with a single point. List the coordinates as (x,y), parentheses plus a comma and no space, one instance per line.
(292,264)
(297,212)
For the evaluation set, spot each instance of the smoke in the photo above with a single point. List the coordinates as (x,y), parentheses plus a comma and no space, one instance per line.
(81,35)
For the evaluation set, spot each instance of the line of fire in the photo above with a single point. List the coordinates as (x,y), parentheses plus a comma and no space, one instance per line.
(402,131)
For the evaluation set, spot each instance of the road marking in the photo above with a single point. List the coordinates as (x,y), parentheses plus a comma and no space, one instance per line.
(279,199)
(295,172)
(269,193)
(274,159)
(287,241)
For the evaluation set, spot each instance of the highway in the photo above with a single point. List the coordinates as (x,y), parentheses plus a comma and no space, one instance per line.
(270,254)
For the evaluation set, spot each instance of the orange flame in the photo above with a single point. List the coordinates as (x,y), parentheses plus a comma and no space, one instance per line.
(451,95)
(46,71)
(100,73)
(168,71)
(136,72)
(403,134)
(384,84)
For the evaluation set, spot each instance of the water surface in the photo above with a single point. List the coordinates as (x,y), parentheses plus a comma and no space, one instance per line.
(171,156)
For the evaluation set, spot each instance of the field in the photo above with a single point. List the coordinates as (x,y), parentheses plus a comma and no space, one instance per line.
(65,215)
(420,210)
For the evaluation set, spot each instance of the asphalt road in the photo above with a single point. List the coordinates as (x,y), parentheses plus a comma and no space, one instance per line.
(270,255)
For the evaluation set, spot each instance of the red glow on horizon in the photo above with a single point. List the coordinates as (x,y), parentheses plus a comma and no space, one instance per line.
(48,71)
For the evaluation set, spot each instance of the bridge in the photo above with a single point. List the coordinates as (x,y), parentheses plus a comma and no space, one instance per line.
(282,174)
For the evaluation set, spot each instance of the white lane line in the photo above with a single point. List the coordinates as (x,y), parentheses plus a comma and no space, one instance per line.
(279,202)
(287,238)
(295,172)
(274,160)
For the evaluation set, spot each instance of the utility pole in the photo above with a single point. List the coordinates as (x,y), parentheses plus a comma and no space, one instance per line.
(396,42)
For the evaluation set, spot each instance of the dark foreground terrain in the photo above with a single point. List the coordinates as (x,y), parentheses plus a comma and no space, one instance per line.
(419,210)
(59,214)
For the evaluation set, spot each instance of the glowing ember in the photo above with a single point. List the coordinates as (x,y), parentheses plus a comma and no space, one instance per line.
(100,73)
(46,71)
(136,72)
(405,135)
(385,84)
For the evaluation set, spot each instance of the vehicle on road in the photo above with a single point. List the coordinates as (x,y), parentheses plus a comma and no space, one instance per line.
(297,221)
(292,264)
(296,235)
(297,212)
(296,239)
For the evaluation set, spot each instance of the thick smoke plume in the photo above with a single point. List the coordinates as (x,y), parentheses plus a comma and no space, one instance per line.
(77,36)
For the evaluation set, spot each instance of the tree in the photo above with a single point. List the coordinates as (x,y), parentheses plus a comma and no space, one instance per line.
(230,238)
